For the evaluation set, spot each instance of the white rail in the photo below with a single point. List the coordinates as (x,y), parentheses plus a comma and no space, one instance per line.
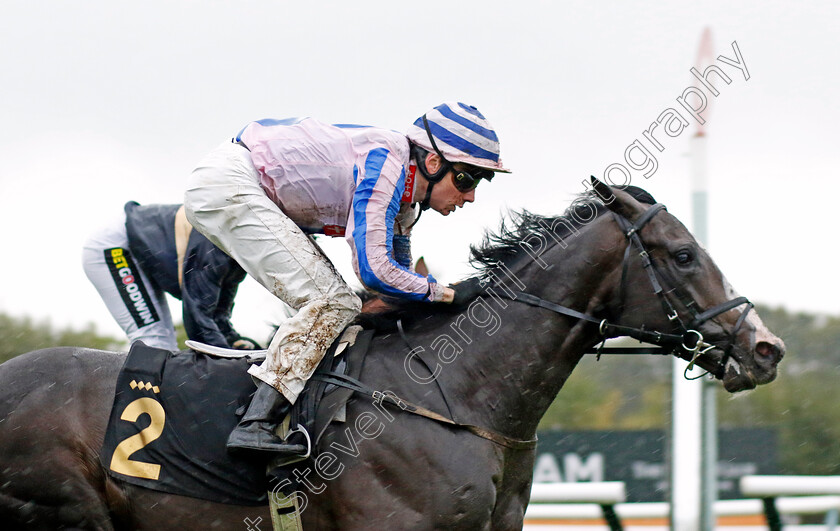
(599,497)
(602,493)
(788,495)
(770,488)
(774,486)
(583,511)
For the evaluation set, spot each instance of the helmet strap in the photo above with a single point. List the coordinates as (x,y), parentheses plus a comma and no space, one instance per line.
(420,154)
(432,179)
(424,204)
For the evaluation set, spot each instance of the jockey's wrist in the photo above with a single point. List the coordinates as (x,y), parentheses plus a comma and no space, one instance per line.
(448,295)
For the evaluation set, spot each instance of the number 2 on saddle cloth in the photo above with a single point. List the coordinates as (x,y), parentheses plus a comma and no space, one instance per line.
(173,412)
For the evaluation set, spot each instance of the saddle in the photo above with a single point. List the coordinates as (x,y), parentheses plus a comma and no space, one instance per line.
(321,401)
(173,412)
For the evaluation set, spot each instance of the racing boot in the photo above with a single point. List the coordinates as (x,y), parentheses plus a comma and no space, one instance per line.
(255,431)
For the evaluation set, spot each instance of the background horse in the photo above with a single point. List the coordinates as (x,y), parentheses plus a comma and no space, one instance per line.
(497,364)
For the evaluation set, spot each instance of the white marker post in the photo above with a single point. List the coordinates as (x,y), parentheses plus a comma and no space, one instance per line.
(693,414)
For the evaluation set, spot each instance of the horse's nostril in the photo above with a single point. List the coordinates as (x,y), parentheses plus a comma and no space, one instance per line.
(767,350)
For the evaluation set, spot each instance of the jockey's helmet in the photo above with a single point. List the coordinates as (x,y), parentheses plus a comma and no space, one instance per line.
(459,133)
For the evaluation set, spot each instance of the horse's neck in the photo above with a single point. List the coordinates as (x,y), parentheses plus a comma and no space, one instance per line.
(513,371)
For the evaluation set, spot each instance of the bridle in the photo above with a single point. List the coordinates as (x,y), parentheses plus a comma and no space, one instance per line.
(688,343)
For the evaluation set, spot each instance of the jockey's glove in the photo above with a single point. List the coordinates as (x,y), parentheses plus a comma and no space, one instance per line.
(466,291)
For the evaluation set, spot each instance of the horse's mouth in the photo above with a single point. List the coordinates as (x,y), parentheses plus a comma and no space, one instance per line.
(737,378)
(749,366)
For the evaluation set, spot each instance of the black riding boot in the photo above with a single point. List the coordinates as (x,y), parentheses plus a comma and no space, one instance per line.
(255,431)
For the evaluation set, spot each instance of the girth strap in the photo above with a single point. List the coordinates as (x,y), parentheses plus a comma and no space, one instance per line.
(391,398)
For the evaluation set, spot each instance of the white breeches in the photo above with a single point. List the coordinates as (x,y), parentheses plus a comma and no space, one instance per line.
(138,306)
(225,202)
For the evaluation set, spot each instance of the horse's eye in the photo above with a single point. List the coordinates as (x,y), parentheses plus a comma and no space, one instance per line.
(684,257)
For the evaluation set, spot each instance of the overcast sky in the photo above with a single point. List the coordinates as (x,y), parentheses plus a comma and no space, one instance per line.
(105,102)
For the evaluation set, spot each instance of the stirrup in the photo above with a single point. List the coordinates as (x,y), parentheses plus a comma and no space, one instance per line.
(285,460)
(301,429)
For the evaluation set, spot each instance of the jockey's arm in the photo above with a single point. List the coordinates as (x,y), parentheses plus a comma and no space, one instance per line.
(374,217)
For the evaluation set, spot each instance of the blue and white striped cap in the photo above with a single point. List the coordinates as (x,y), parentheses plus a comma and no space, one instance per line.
(461,133)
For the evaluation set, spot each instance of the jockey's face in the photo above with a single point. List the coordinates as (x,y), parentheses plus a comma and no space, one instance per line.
(446,197)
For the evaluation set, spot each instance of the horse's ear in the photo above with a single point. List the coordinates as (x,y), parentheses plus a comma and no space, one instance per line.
(618,200)
(603,191)
(420,267)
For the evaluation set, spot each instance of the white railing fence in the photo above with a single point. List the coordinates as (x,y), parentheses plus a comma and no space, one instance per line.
(771,490)
(771,496)
(596,498)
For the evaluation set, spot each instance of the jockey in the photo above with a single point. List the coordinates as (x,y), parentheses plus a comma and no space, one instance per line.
(152,250)
(261,195)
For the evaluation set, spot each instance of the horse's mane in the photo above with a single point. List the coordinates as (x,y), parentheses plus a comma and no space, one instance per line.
(504,246)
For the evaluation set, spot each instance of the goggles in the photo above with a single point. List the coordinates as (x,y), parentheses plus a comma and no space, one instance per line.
(466,181)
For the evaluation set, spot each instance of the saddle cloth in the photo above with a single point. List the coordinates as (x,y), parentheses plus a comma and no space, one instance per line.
(173,412)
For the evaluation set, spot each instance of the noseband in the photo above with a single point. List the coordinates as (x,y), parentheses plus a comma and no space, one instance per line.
(688,343)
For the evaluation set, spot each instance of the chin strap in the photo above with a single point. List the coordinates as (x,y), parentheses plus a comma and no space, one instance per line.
(424,204)
(419,155)
(420,159)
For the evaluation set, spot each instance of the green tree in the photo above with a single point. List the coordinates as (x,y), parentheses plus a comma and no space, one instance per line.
(181,336)
(21,334)
(615,392)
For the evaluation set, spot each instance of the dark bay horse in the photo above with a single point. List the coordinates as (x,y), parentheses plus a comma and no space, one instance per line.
(627,269)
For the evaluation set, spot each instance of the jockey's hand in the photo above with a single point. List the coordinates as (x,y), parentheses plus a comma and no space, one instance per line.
(246,343)
(448,295)
(466,291)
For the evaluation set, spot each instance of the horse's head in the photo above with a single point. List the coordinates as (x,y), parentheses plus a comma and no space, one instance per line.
(668,284)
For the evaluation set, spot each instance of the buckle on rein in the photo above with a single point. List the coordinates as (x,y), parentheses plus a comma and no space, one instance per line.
(700,347)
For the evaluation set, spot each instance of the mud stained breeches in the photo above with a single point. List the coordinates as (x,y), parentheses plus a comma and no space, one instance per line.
(224,201)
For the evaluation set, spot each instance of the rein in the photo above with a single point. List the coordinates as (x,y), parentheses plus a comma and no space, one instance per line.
(689,344)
